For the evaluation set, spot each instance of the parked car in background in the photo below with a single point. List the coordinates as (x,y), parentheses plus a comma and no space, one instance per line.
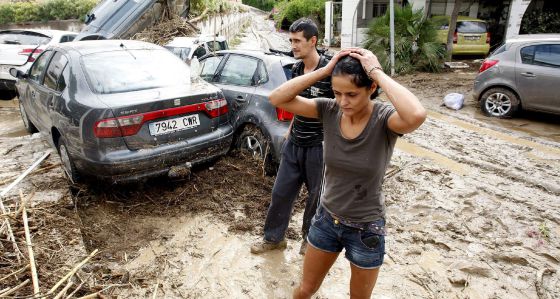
(523,73)
(119,19)
(20,47)
(187,47)
(122,110)
(471,36)
(247,78)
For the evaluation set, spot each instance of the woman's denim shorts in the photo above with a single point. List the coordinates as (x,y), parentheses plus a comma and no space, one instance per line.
(364,248)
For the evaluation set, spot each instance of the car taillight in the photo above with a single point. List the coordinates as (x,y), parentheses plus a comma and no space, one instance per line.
(455,37)
(284,115)
(216,108)
(130,125)
(488,37)
(32,51)
(486,64)
(118,127)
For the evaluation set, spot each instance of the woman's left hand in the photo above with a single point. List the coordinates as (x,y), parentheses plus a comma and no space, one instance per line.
(367,59)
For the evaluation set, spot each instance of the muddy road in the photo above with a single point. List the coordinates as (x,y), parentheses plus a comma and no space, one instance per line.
(473,211)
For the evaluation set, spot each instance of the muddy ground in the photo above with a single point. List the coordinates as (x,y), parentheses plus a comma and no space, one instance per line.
(473,211)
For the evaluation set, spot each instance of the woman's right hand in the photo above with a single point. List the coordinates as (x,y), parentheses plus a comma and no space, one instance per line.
(330,66)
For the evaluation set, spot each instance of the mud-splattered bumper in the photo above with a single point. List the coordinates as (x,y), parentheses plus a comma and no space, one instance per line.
(129,166)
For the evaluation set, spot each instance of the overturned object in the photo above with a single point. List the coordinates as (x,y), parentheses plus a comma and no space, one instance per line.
(454,101)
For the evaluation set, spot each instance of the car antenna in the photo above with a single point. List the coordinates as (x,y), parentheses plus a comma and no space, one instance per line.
(126,49)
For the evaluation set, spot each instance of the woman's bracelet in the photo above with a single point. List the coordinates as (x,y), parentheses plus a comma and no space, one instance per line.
(373,68)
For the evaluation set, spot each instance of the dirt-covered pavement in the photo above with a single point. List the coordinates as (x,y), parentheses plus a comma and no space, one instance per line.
(473,212)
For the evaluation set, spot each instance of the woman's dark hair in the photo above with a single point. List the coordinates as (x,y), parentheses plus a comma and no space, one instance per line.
(352,67)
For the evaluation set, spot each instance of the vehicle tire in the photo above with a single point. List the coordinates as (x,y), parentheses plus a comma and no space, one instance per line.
(499,102)
(29,126)
(67,162)
(257,144)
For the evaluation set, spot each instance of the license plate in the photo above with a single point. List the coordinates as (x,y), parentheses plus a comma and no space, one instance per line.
(4,68)
(470,37)
(174,125)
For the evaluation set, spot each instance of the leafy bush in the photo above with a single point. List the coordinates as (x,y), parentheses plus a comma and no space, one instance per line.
(540,22)
(44,11)
(265,5)
(416,45)
(213,6)
(289,11)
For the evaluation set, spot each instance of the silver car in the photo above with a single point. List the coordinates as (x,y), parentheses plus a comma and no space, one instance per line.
(523,73)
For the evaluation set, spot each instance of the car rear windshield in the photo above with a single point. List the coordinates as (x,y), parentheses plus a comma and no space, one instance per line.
(471,27)
(181,52)
(130,70)
(23,38)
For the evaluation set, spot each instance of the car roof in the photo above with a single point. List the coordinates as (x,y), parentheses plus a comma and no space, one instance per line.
(459,18)
(554,37)
(257,54)
(49,33)
(98,46)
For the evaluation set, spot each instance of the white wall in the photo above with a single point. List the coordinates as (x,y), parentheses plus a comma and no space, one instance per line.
(328,23)
(348,37)
(517,10)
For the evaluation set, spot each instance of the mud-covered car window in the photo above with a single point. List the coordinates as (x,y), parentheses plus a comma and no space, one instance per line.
(181,52)
(23,38)
(239,70)
(209,66)
(39,66)
(129,70)
(58,62)
(547,55)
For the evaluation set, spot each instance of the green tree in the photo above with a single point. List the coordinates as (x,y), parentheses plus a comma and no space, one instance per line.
(416,46)
(290,11)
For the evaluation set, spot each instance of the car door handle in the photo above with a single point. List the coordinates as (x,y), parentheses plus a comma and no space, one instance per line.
(528,74)
(32,94)
(240,99)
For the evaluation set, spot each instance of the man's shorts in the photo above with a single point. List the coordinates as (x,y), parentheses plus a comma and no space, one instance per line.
(364,248)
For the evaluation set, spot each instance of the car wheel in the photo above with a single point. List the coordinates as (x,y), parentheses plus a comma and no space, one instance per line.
(29,127)
(257,144)
(67,163)
(499,102)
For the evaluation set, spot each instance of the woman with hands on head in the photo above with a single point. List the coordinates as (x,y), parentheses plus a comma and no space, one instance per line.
(359,137)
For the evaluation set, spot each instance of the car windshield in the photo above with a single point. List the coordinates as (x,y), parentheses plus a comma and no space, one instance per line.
(471,27)
(23,38)
(181,52)
(130,70)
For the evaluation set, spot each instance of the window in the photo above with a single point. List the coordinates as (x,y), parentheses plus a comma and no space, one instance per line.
(216,46)
(288,70)
(547,55)
(471,27)
(262,75)
(130,70)
(543,55)
(181,52)
(23,38)
(199,52)
(379,9)
(239,70)
(39,66)
(67,38)
(209,67)
(52,76)
(527,55)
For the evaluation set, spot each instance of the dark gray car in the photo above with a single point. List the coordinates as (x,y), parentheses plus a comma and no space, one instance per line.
(523,73)
(119,19)
(122,110)
(247,78)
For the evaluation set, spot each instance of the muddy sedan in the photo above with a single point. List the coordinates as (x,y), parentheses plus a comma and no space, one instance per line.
(122,110)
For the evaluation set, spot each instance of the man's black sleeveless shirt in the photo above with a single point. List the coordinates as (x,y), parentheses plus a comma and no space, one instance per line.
(306,131)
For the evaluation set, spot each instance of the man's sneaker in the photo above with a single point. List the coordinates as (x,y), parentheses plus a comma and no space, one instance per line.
(303,247)
(264,246)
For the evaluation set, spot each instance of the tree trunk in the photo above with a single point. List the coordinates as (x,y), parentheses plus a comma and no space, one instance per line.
(452,27)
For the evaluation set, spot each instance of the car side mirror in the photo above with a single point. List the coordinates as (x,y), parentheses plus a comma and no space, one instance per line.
(17,73)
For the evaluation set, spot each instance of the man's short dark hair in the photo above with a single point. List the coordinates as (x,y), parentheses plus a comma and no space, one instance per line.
(306,25)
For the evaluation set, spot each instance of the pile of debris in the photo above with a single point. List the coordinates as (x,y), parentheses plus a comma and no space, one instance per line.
(166,30)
